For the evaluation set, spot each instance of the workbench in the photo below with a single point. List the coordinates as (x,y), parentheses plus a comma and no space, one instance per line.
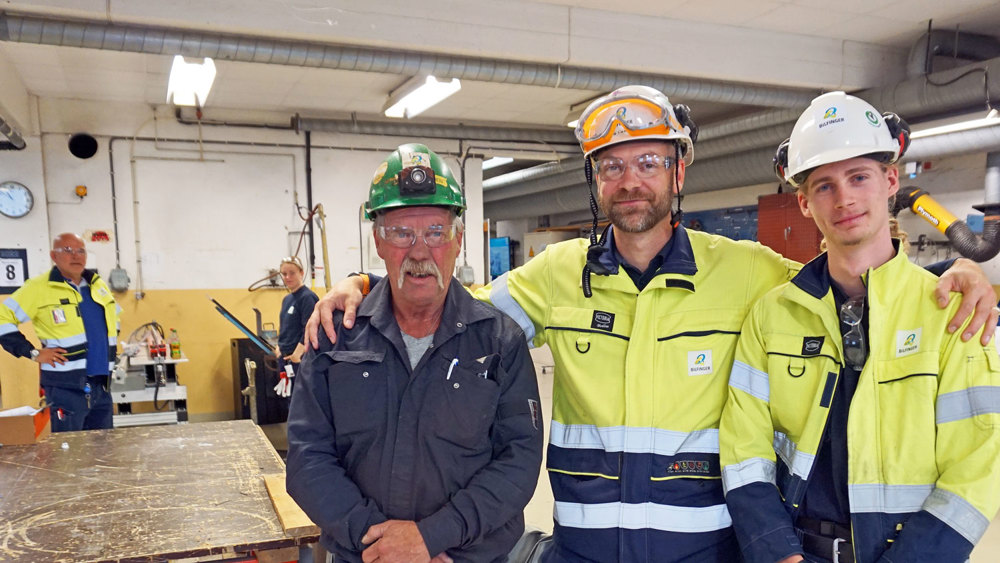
(140,494)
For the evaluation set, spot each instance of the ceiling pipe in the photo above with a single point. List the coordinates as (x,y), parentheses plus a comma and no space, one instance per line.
(555,135)
(949,43)
(256,49)
(527,174)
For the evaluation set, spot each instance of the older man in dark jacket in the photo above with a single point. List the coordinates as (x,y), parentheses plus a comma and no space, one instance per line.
(418,434)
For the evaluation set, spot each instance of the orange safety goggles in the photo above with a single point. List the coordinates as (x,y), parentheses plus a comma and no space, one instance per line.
(638,117)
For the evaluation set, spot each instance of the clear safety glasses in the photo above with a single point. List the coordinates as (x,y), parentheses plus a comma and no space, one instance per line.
(434,236)
(855,350)
(610,169)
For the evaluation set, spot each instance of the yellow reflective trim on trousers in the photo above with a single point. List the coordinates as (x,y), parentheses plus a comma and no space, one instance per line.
(581,473)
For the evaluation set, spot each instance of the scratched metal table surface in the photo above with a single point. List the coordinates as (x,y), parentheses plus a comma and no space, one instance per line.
(140,494)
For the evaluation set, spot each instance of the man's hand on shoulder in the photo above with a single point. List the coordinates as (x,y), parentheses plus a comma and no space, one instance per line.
(978,299)
(345,296)
(395,541)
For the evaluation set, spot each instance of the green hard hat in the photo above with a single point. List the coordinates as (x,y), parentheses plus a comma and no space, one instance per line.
(412,175)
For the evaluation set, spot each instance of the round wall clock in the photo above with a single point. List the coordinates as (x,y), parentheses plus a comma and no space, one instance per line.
(15,199)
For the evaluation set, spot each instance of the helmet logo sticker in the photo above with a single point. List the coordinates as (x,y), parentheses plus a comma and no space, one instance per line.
(831,112)
(408,159)
(380,172)
(872,118)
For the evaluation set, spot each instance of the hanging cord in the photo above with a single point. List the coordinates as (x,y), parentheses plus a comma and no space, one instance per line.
(266,280)
(596,249)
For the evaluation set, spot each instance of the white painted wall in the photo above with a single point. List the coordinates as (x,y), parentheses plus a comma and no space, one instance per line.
(213,219)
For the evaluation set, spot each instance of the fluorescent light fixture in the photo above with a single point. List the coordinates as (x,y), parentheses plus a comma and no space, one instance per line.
(992,118)
(573,123)
(417,95)
(496,161)
(190,81)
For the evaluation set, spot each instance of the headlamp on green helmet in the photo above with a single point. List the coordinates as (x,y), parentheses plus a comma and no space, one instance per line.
(413,176)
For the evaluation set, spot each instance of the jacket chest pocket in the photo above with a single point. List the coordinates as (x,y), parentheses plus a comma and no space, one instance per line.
(800,369)
(907,403)
(462,400)
(358,391)
(693,358)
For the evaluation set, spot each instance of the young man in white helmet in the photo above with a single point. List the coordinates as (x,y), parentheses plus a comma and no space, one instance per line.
(642,325)
(857,428)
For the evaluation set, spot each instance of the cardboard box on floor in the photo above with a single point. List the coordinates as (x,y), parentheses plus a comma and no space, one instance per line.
(24,425)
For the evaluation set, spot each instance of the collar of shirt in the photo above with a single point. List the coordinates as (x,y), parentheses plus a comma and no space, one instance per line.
(676,257)
(460,311)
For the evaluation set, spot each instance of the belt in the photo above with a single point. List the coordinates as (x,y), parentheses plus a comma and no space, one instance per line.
(828,540)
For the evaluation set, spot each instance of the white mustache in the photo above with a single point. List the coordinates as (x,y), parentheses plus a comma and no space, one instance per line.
(417,268)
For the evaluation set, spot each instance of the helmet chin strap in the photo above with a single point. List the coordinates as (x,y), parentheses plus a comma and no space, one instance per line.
(678,215)
(596,249)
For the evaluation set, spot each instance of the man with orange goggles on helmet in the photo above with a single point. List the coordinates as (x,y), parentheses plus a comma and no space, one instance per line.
(643,325)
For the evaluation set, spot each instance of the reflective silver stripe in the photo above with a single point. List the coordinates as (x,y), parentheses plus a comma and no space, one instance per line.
(958,514)
(798,462)
(111,367)
(751,381)
(112,341)
(753,470)
(7,328)
(501,298)
(967,403)
(627,439)
(68,366)
(22,317)
(647,515)
(887,499)
(74,340)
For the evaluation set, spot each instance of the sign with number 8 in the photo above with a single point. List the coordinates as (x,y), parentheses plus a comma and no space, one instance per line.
(13,269)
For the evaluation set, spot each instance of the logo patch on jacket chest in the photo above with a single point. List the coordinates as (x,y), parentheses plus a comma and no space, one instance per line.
(812,345)
(700,362)
(907,342)
(603,321)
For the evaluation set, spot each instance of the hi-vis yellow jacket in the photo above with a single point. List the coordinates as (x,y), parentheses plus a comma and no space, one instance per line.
(640,381)
(52,306)
(923,427)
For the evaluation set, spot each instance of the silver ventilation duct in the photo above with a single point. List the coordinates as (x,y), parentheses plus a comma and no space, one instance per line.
(255,49)
(556,135)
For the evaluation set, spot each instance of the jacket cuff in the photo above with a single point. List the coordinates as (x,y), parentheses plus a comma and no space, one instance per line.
(773,546)
(442,530)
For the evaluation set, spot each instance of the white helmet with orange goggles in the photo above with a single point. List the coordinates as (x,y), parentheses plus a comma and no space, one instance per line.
(634,113)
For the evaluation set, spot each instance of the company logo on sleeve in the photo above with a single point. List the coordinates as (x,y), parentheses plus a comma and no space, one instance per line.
(907,342)
(700,362)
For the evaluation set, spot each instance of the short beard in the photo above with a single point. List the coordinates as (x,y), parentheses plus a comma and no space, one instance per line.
(419,267)
(633,222)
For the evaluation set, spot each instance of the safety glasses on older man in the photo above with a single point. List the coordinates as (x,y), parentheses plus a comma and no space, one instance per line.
(404,237)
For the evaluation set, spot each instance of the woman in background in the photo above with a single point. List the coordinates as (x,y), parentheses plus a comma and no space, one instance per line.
(295,311)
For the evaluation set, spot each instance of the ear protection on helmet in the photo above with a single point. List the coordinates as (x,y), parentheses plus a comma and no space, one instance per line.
(899,129)
(683,114)
(781,160)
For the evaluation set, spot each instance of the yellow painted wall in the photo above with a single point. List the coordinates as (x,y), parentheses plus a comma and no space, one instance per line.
(204,335)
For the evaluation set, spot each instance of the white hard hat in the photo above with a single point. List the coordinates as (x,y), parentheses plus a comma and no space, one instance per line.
(838,127)
(634,113)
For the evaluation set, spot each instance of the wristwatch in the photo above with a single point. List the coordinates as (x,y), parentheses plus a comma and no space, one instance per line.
(34,354)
